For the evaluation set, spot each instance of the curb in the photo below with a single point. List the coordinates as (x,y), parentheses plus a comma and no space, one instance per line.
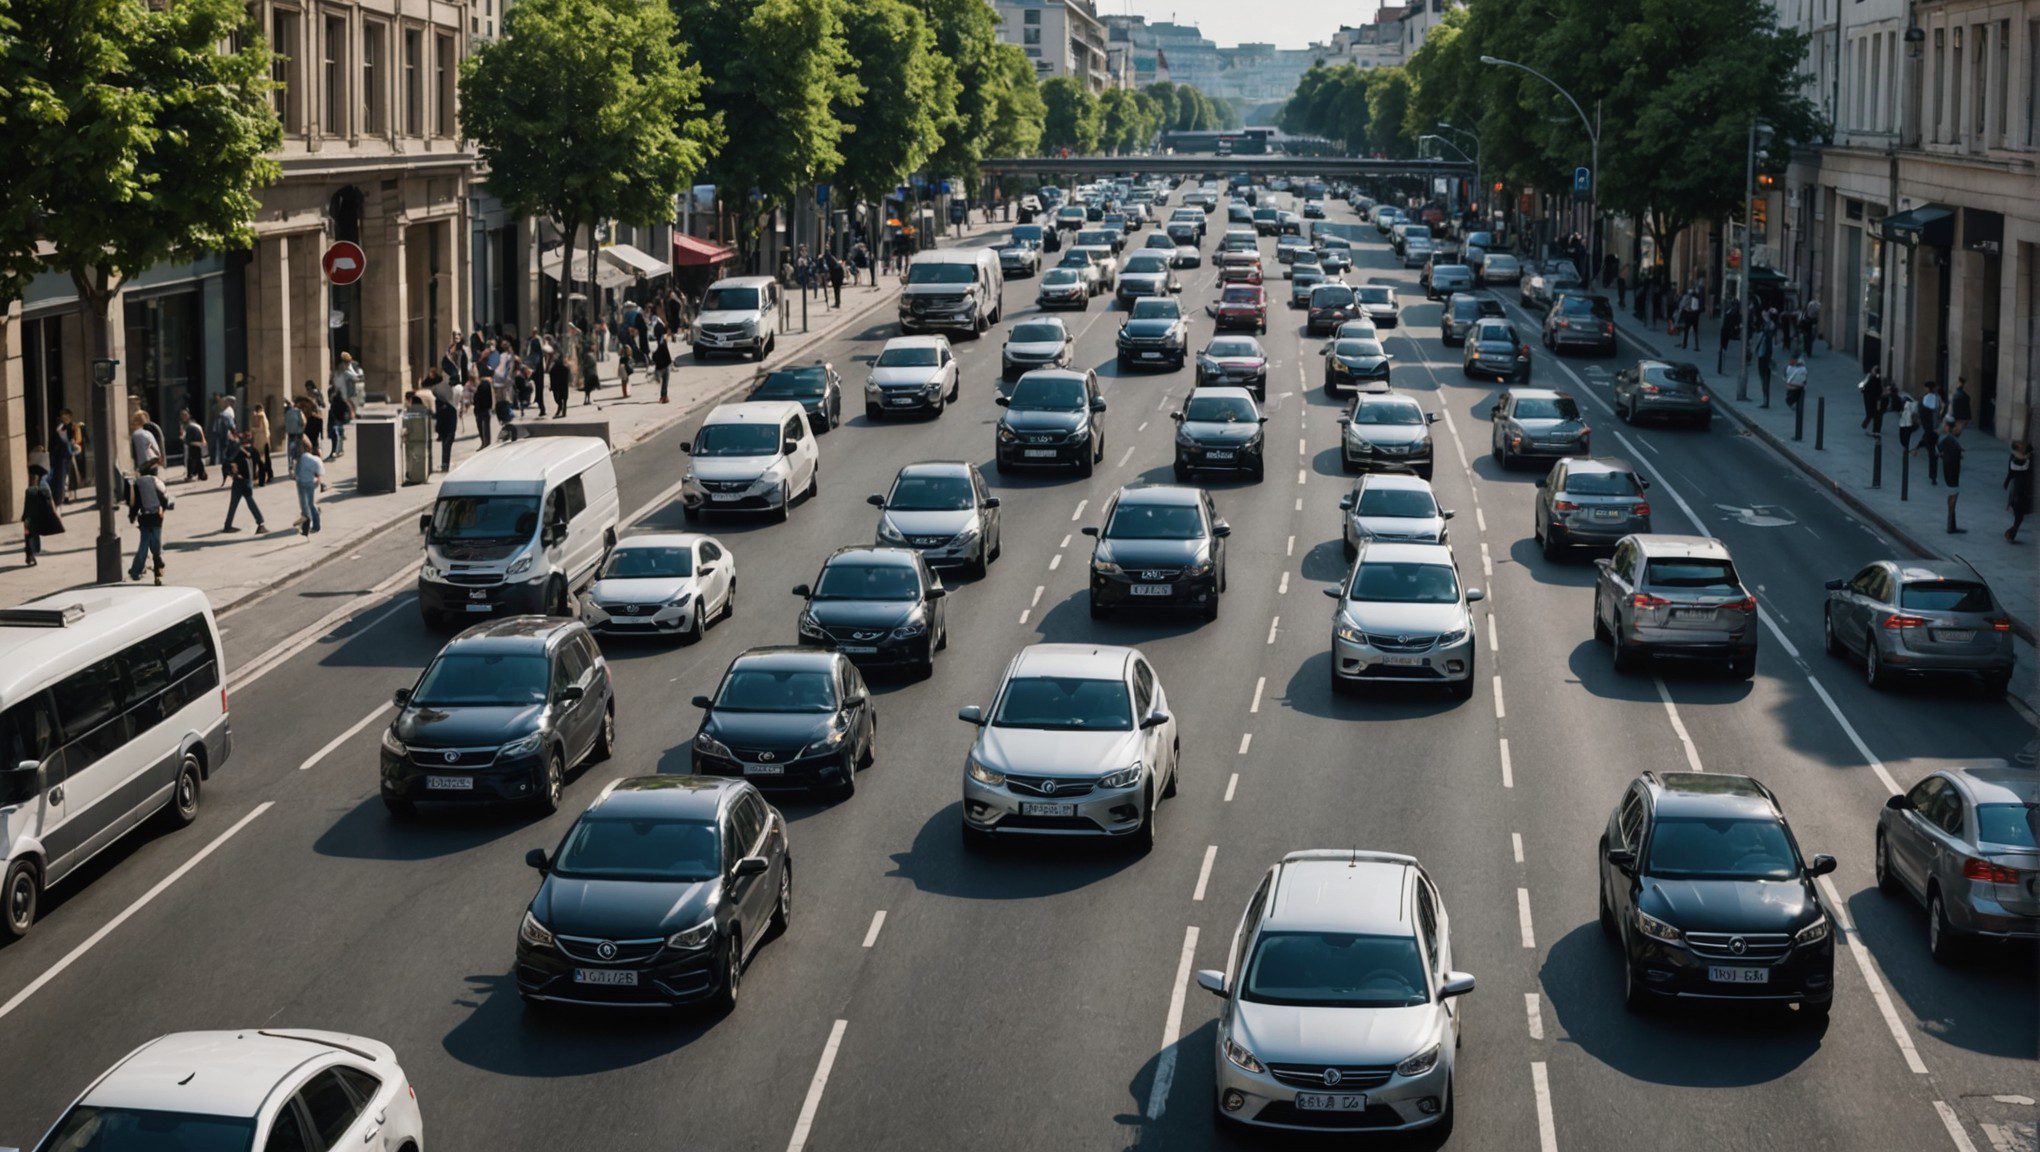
(1848,497)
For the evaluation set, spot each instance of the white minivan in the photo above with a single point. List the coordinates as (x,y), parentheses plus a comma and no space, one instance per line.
(740,316)
(519,528)
(954,288)
(112,709)
(756,456)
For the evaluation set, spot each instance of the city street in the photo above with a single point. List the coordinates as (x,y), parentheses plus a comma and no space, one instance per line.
(1040,996)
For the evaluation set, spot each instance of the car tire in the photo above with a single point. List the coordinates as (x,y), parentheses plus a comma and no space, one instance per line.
(1996,684)
(550,785)
(1258,471)
(726,994)
(1627,659)
(1880,866)
(1182,474)
(1743,667)
(1601,632)
(782,908)
(1144,836)
(848,787)
(1832,642)
(982,563)
(605,736)
(1944,944)
(1175,771)
(1348,465)
(692,636)
(556,598)
(814,481)
(182,807)
(691,515)
(1634,998)
(1089,464)
(1000,466)
(1098,610)
(19,898)
(1548,545)
(1462,690)
(872,412)
(1873,664)
(785,508)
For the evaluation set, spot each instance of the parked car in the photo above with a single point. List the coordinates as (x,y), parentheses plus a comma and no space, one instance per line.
(1665,390)
(1961,842)
(1390,431)
(1588,501)
(1678,597)
(1218,429)
(944,510)
(1920,617)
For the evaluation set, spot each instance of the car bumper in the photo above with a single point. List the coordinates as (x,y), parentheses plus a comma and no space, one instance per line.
(795,771)
(1077,299)
(1576,530)
(1014,369)
(728,341)
(1899,656)
(482,601)
(1094,813)
(952,321)
(1219,459)
(882,653)
(1357,662)
(1148,354)
(1678,409)
(1383,319)
(1327,321)
(1349,382)
(1500,370)
(1692,643)
(1262,1101)
(695,499)
(671,979)
(507,780)
(1371,456)
(903,399)
(1182,592)
(1044,455)
(1530,449)
(1673,972)
(1225,320)
(638,619)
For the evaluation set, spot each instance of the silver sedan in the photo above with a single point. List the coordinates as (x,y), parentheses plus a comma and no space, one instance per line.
(1961,842)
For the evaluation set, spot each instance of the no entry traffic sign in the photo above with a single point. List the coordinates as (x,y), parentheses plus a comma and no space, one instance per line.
(344,262)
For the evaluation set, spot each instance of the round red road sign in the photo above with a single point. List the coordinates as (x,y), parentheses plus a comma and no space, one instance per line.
(344,262)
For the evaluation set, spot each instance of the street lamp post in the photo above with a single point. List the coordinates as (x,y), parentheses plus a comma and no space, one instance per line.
(1760,136)
(1479,181)
(1593,128)
(1473,160)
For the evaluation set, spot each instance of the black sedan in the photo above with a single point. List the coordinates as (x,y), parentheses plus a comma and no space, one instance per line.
(657,896)
(788,718)
(1493,349)
(1051,420)
(1161,547)
(878,606)
(1219,430)
(816,387)
(1356,364)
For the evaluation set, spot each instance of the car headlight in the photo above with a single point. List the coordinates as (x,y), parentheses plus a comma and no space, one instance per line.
(1241,1058)
(1419,1064)
(1006,435)
(1814,933)
(429,573)
(1655,928)
(522,565)
(706,745)
(826,744)
(910,629)
(1349,634)
(890,534)
(681,598)
(932,387)
(1201,568)
(1455,636)
(522,746)
(809,626)
(392,745)
(1185,439)
(982,774)
(533,933)
(1106,568)
(1124,778)
(967,535)
(695,938)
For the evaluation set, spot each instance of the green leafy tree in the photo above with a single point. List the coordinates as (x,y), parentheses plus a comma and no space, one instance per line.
(1017,111)
(967,35)
(1388,97)
(896,133)
(132,138)
(1071,119)
(1168,103)
(615,132)
(20,119)
(1124,124)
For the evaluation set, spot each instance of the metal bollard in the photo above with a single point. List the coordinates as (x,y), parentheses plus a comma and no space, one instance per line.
(1799,419)
(1904,475)
(803,309)
(1819,423)
(1877,463)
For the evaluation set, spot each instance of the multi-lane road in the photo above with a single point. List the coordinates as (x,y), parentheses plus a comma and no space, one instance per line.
(927,997)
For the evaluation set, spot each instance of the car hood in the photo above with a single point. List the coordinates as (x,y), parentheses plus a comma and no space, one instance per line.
(737,317)
(1148,329)
(905,375)
(733,467)
(1238,363)
(1035,349)
(783,732)
(1389,433)
(641,590)
(1219,432)
(1361,362)
(1283,1034)
(622,909)
(1055,752)
(931,523)
(1378,308)
(1729,905)
(862,613)
(1041,420)
(479,726)
(1240,306)
(1415,619)
(1151,553)
(1424,527)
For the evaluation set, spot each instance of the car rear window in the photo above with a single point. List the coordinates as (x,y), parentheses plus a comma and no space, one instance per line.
(1585,306)
(2011,825)
(1694,573)
(1602,484)
(1945,596)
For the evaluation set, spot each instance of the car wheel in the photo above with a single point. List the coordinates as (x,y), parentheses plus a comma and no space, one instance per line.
(1175,771)
(1089,463)
(1626,658)
(785,508)
(1996,684)
(1144,837)
(1944,944)
(848,787)
(979,564)
(1463,689)
(782,908)
(1601,632)
(689,514)
(1827,632)
(1259,470)
(1098,610)
(1182,474)
(725,1000)
(552,780)
(1634,997)
(22,893)
(1211,609)
(1880,865)
(605,737)
(1546,540)
(1873,664)
(183,806)
(1626,412)
(872,412)
(814,481)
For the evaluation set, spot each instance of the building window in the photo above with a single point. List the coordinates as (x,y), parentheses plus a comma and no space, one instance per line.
(1030,35)
(2032,83)
(283,67)
(1934,83)
(414,82)
(1891,94)
(1979,81)
(444,65)
(2001,86)
(1031,16)
(374,74)
(1955,88)
(335,38)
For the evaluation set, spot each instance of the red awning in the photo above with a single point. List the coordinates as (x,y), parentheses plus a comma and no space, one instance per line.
(692,252)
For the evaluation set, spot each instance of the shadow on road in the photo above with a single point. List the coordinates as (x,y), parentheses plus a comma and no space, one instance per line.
(502,1036)
(940,865)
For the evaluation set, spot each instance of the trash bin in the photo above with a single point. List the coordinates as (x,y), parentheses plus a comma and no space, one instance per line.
(417,446)
(375,450)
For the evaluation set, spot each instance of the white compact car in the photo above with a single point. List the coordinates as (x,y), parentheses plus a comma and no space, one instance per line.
(662,584)
(751,457)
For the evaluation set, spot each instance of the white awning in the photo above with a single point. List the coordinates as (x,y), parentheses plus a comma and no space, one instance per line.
(636,261)
(617,266)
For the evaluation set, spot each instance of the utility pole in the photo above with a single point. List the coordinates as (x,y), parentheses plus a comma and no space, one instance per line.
(1758,129)
(1593,128)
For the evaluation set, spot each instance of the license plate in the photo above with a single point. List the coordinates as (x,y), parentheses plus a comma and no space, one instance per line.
(610,976)
(856,649)
(901,400)
(764,769)
(450,783)
(725,497)
(1151,355)
(1403,661)
(1954,635)
(1607,513)
(1151,589)
(1692,613)
(1219,454)
(1038,453)
(1033,808)
(1331,1102)
(478,594)
(1739,975)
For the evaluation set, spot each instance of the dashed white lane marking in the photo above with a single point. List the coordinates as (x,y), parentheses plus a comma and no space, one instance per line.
(1480,517)
(1290,548)
(1846,925)
(1299,503)
(1079,513)
(325,626)
(1258,685)
(1849,730)
(871,933)
(344,737)
(1282,589)
(1547,1131)
(813,1103)
(1516,846)
(1055,562)
(1487,562)
(1508,773)
(141,902)
(1163,404)
(1678,725)
(1777,633)
(1038,590)
(1231,784)
(1500,710)
(1126,455)
(1523,916)
(1272,625)
(1953,1124)
(1494,643)
(1025,613)
(1165,1062)
(1143,426)
(1535,1014)
(1301,473)
(1246,741)
(1302,446)
(1204,871)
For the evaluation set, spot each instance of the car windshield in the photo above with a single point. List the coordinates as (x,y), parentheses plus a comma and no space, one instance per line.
(1036,333)
(1027,234)
(1697,574)
(930,494)
(649,562)
(1358,348)
(792,383)
(850,580)
(1602,484)
(777,690)
(2010,825)
(1945,596)
(1547,408)
(1206,408)
(1240,296)
(1146,263)
(1064,703)
(737,440)
(1159,241)
(944,272)
(1498,261)
(1460,271)
(1404,582)
(1152,309)
(1233,348)
(89,1129)
(1078,258)
(729,300)
(1307,272)
(1397,503)
(1055,393)
(482,679)
(599,848)
(1724,848)
(1387,412)
(1677,379)
(1155,522)
(1374,294)
(1335,970)
(1465,308)
(484,518)
(1495,334)
(908,356)
(1061,278)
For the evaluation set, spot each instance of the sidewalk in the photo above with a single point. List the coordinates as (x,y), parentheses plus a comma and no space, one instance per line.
(1845,462)
(233,568)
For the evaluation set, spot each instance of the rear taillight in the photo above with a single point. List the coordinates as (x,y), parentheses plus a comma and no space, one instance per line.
(1650,389)
(1564,506)
(223,694)
(2001,624)
(1607,329)
(1641,510)
(1523,353)
(1646,600)
(1985,872)
(1565,324)
(1896,622)
(1746,604)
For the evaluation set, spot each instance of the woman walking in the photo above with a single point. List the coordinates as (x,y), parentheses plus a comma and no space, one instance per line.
(1871,387)
(1930,430)
(39,513)
(485,408)
(194,446)
(258,444)
(2018,487)
(1908,422)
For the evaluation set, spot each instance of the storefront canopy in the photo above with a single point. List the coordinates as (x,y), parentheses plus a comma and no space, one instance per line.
(636,260)
(1931,224)
(617,266)
(693,252)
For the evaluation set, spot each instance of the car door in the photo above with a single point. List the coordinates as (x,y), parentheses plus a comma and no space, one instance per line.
(948,374)
(1433,935)
(715,573)
(1609,584)
(741,832)
(1499,418)
(1855,605)
(1626,832)
(988,510)
(862,716)
(938,606)
(1554,483)
(569,667)
(28,732)
(1941,840)
(1211,523)
(1159,741)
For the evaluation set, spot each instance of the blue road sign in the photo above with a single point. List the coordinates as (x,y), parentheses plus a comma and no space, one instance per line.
(1582,181)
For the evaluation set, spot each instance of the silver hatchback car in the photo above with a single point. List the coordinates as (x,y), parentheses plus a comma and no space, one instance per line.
(1393,508)
(1918,616)
(1078,742)
(1591,502)
(1676,596)
(1961,842)
(1403,618)
(1340,999)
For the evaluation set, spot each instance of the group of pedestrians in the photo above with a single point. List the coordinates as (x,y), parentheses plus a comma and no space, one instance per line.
(818,276)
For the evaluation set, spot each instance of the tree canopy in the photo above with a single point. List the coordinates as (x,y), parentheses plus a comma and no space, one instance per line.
(1071,119)
(895,133)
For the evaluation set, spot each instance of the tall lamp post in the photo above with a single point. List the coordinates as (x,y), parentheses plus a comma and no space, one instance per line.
(1760,138)
(1593,128)
(1479,182)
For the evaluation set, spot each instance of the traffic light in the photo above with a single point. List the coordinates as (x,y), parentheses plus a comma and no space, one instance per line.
(1760,213)
(1498,185)
(1766,181)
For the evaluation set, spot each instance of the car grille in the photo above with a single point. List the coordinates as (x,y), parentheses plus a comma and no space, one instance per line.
(859,635)
(453,757)
(1283,1112)
(587,949)
(1044,438)
(1143,341)
(1386,643)
(926,305)
(1153,575)
(631,609)
(1758,947)
(724,485)
(1031,357)
(474,579)
(723,329)
(1055,786)
(929,541)
(1352,1077)
(765,755)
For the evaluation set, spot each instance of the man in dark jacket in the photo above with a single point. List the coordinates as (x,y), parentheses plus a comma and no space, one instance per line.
(561,379)
(834,267)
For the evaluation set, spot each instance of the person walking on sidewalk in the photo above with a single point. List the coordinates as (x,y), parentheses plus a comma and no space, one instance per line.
(1763,358)
(224,429)
(835,269)
(258,444)
(1958,403)
(485,409)
(1871,388)
(860,263)
(591,375)
(347,377)
(39,513)
(1930,412)
(339,414)
(293,434)
(1731,331)
(561,379)
(445,423)
(1689,318)
(662,366)
(1795,383)
(239,466)
(1908,419)
(1951,471)
(315,424)
(1809,323)
(148,501)
(2018,487)
(311,480)
(194,446)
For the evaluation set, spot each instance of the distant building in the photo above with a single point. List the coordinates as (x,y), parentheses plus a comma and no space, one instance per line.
(1061,37)
(1376,44)
(1416,23)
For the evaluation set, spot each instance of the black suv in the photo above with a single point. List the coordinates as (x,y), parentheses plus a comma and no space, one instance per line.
(788,718)
(1577,320)
(658,895)
(878,606)
(1703,885)
(1051,419)
(504,711)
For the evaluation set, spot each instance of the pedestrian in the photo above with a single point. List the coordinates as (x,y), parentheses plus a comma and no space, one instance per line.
(485,409)
(1788,323)
(835,269)
(1871,388)
(259,444)
(786,272)
(315,424)
(454,363)
(194,446)
(1809,323)
(39,516)
(1795,383)
(591,376)
(2018,487)
(1889,402)
(1622,288)
(339,414)
(225,427)
(561,378)
(445,422)
(860,263)
(310,475)
(348,379)
(144,448)
(1731,331)
(1958,403)
(1951,472)
(1763,356)
(239,465)
(662,366)
(804,270)
(148,501)
(520,390)
(1611,269)
(1908,420)
(62,452)
(1930,429)
(623,370)
(1689,318)
(293,434)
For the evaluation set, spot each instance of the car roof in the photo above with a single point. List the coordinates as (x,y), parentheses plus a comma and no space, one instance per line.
(1092,661)
(512,634)
(638,797)
(1175,494)
(1668,544)
(743,282)
(915,342)
(1709,794)
(787,656)
(1391,397)
(1395,553)
(873,556)
(1535,393)
(224,1073)
(537,458)
(1998,784)
(749,412)
(1400,480)
(1227,393)
(113,616)
(1910,570)
(935,468)
(1333,891)
(662,540)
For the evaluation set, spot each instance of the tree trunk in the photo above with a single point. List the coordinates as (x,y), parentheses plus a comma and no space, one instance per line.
(96,294)
(569,228)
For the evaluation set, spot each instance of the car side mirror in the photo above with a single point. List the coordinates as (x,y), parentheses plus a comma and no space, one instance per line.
(991,502)
(1346,502)
(1837,586)
(1475,595)
(1261,419)
(971,714)
(1899,803)
(1335,593)
(1605,564)
(702,702)
(1089,530)
(553,534)
(1154,719)
(786,447)
(425,523)
(749,866)
(1002,401)
(1212,981)
(802,591)
(1097,404)
(570,694)
(1495,411)
(1221,530)
(539,860)
(1821,866)
(1643,481)
(401,697)
(1176,416)
(875,500)
(1541,481)
(1345,421)
(1622,858)
(1430,417)
(1456,984)
(687,446)
(937,593)
(1446,513)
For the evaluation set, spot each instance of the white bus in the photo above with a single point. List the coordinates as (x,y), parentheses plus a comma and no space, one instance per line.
(113,707)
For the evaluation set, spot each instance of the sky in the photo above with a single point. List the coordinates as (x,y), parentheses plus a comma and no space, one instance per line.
(1286,23)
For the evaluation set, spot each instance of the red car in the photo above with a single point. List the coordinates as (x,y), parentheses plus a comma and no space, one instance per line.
(1239,268)
(1241,306)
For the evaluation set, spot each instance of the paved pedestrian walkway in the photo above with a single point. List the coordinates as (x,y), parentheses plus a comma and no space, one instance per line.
(234,567)
(1843,457)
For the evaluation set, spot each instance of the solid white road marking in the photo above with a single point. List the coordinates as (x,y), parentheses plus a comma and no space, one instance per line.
(871,933)
(1204,872)
(1778,633)
(1547,1132)
(1494,643)
(813,1103)
(1246,740)
(1126,455)
(1523,915)
(141,902)
(1678,725)
(1953,1124)
(1849,730)
(1535,1014)
(1165,1063)
(324,627)
(344,737)
(1500,711)
(1508,775)
(1231,784)
(1516,846)
(1079,513)
(1055,562)
(1258,685)
(1846,925)
(1271,628)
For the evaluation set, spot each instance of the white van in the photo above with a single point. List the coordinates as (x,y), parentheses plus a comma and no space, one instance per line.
(739,315)
(751,457)
(518,528)
(112,709)
(955,288)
